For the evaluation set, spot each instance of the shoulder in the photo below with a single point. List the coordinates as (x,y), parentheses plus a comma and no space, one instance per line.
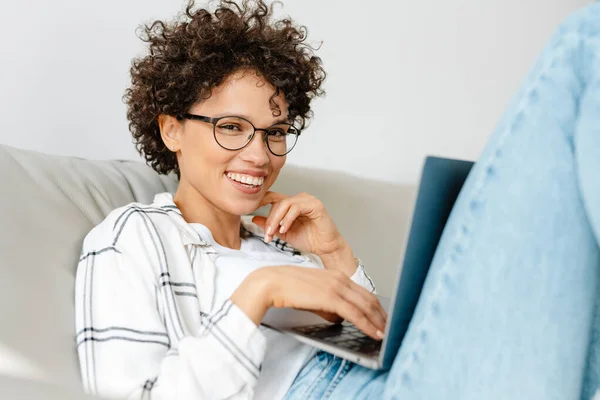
(134,221)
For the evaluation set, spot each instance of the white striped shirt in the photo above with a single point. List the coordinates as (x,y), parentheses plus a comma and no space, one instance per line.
(144,299)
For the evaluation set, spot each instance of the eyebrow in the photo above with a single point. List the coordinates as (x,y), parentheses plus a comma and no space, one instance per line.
(278,121)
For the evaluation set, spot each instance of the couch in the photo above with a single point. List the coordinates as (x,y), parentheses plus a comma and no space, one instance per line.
(50,202)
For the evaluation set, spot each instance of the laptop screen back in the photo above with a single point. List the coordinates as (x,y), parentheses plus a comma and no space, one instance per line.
(441,181)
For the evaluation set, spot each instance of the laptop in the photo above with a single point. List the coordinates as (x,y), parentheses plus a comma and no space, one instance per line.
(441,181)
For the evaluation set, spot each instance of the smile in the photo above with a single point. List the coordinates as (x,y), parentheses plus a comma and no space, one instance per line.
(247,180)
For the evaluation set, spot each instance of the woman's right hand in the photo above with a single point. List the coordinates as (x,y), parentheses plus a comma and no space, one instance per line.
(321,291)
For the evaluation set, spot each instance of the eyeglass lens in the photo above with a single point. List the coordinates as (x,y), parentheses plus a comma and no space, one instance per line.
(233,133)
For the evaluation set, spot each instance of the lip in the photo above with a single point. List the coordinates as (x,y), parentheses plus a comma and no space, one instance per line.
(243,188)
(250,172)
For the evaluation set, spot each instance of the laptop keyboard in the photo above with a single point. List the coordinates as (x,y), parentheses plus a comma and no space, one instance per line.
(344,335)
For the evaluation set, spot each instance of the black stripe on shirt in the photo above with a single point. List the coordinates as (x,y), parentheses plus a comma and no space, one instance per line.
(370,281)
(185,294)
(228,344)
(224,339)
(152,230)
(86,316)
(161,255)
(121,328)
(129,212)
(96,252)
(93,364)
(171,283)
(223,312)
(129,339)
(278,243)
(177,284)
(147,388)
(157,210)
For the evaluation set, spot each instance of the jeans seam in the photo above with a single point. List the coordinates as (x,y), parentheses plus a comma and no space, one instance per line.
(342,371)
(310,388)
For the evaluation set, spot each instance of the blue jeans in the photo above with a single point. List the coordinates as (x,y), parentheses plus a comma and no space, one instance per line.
(508,310)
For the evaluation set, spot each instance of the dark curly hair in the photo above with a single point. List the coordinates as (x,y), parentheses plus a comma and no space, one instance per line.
(198,50)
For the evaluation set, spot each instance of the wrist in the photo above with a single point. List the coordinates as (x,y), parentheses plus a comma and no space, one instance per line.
(253,296)
(342,260)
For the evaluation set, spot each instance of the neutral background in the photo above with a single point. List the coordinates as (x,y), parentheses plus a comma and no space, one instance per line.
(406,78)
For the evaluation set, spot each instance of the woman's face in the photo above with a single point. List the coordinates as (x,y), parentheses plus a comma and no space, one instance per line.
(214,172)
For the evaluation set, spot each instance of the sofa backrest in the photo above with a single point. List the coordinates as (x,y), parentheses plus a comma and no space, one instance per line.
(49,203)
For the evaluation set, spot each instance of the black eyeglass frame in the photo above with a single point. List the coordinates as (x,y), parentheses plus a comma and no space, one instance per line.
(214,122)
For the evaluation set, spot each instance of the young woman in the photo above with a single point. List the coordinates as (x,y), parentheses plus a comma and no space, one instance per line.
(169,296)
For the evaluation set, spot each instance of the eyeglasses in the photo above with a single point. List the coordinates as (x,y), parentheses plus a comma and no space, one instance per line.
(235,133)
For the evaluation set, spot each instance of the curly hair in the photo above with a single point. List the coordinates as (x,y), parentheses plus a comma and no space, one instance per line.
(191,55)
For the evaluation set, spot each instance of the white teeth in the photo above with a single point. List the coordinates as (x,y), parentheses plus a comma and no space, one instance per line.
(246,179)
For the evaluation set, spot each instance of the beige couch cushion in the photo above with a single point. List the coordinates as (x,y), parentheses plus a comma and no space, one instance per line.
(48,205)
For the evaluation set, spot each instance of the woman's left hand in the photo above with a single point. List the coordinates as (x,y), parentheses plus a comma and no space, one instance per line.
(303,222)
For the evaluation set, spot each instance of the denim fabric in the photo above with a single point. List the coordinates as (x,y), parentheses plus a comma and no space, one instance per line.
(319,377)
(508,310)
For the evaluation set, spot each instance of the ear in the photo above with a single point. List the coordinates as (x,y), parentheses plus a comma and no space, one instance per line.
(170,129)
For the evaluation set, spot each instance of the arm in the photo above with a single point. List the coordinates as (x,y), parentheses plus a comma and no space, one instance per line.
(330,293)
(304,223)
(345,261)
(124,347)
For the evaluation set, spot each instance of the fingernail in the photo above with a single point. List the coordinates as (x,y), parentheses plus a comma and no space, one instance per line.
(281,229)
(269,230)
(266,238)
(281,222)
(379,334)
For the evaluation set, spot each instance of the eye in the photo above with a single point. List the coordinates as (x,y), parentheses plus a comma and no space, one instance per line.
(277,132)
(229,127)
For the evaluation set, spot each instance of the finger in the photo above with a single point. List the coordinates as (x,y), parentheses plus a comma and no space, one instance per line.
(347,306)
(262,221)
(370,297)
(364,299)
(288,219)
(367,303)
(321,291)
(275,216)
(259,220)
(354,315)
(271,197)
(300,205)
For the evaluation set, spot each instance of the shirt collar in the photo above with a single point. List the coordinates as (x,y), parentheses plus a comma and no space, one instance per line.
(190,236)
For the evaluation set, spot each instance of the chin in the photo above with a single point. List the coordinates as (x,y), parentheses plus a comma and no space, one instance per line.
(242,207)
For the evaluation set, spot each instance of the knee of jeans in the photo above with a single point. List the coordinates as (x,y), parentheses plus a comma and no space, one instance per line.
(584,21)
(579,35)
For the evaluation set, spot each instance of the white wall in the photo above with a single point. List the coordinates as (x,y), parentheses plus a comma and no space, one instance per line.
(406,78)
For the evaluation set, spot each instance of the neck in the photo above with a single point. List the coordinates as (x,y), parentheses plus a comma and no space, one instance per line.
(195,208)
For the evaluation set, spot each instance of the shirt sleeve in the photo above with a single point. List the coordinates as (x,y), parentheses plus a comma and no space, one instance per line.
(124,339)
(359,277)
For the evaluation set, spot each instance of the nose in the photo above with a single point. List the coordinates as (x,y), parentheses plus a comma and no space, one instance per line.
(256,151)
